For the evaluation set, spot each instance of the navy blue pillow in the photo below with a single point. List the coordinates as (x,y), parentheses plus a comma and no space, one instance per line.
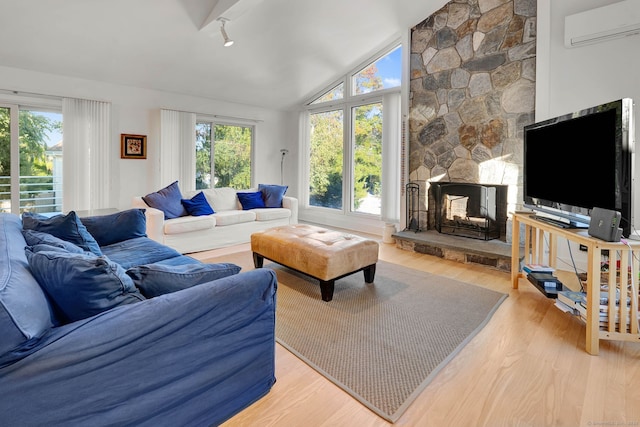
(117,227)
(168,200)
(273,194)
(82,285)
(159,279)
(66,227)
(197,205)
(251,200)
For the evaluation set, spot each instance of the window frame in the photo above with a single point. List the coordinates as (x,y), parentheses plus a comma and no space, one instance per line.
(347,103)
(214,121)
(17,102)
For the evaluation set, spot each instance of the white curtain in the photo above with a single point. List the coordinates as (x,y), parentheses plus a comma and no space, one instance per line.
(178,149)
(391,137)
(87,154)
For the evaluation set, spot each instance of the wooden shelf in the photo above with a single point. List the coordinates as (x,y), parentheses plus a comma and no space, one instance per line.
(624,256)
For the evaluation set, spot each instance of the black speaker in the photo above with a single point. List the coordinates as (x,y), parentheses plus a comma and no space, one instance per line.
(605,225)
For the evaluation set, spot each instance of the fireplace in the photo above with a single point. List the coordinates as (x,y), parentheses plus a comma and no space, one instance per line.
(470,210)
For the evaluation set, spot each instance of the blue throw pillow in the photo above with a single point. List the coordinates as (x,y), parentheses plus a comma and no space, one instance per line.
(158,279)
(168,200)
(273,194)
(251,200)
(117,227)
(33,238)
(197,205)
(82,285)
(66,227)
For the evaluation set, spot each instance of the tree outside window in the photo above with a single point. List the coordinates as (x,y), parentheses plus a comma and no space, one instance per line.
(231,154)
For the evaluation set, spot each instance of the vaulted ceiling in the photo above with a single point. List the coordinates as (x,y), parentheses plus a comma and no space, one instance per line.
(284,51)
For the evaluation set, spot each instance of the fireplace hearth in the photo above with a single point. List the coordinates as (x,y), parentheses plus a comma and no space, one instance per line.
(477,211)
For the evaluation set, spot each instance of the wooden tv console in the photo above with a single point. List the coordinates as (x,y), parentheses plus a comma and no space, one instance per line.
(538,234)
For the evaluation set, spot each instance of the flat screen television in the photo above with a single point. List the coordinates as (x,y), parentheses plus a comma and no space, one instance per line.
(579,161)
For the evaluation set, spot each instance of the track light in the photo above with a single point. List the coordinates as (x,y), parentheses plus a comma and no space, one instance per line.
(227,41)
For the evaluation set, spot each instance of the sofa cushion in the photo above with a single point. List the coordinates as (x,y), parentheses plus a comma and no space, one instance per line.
(269,214)
(178,260)
(234,217)
(66,227)
(221,199)
(82,285)
(40,247)
(33,237)
(114,228)
(272,194)
(187,224)
(168,200)
(25,311)
(138,251)
(251,200)
(158,279)
(197,205)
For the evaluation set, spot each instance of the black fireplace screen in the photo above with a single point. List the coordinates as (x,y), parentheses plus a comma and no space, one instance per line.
(470,210)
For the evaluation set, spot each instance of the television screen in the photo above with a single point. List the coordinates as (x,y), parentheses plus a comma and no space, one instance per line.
(579,161)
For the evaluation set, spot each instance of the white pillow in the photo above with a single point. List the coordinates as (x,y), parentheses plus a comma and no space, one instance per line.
(222,199)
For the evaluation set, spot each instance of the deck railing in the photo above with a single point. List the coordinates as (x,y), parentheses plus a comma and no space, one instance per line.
(39,194)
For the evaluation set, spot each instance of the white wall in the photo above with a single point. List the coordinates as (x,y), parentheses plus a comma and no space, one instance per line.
(137,111)
(570,79)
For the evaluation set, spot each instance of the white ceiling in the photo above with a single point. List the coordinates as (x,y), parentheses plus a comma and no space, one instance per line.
(284,51)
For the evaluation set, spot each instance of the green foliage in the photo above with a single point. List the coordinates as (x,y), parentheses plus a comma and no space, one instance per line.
(32,137)
(232,160)
(5,144)
(368,151)
(203,155)
(232,156)
(327,148)
(326,156)
(325,172)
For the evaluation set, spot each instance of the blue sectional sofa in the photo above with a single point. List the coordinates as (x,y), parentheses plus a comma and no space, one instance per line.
(191,356)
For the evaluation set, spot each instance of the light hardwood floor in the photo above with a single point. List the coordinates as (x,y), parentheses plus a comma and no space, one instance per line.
(527,367)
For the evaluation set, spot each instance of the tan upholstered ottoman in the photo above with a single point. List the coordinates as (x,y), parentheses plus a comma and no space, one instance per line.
(320,253)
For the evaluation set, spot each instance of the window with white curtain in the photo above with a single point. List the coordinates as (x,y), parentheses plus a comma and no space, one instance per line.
(88,147)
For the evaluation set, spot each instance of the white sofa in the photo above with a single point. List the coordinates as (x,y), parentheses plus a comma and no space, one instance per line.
(229,225)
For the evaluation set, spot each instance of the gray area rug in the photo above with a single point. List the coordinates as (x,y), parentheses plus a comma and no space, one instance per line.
(381,342)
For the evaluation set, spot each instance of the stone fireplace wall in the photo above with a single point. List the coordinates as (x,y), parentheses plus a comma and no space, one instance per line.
(472,92)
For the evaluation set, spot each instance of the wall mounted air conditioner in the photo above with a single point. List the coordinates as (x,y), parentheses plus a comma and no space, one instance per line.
(601,24)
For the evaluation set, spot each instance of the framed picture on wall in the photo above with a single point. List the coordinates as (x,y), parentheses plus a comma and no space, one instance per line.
(133,146)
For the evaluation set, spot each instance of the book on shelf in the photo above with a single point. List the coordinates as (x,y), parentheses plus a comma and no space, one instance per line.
(572,299)
(564,307)
(603,318)
(537,268)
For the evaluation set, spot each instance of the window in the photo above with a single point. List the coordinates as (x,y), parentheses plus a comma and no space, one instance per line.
(367,138)
(335,93)
(326,160)
(223,155)
(30,159)
(384,73)
(345,138)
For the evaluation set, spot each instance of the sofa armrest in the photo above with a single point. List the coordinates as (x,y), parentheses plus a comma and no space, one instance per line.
(291,203)
(155,219)
(192,357)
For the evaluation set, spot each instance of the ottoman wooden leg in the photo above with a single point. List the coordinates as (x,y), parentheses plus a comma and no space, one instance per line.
(369,273)
(326,289)
(258,260)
